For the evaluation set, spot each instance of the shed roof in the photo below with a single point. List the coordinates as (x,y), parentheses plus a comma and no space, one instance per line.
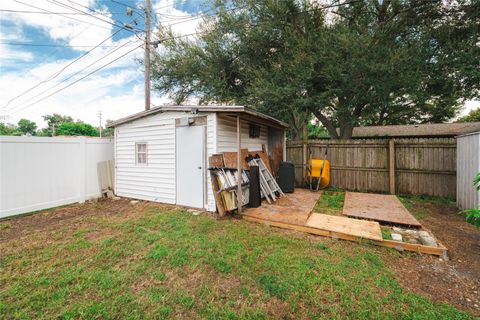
(417,130)
(249,112)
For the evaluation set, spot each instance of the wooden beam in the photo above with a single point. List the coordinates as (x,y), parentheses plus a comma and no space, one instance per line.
(239,166)
(437,251)
(391,165)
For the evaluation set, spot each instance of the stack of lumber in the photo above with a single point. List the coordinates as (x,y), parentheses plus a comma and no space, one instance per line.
(224,177)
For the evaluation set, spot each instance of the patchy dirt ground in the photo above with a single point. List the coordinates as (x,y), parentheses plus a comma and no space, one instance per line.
(72,217)
(457,281)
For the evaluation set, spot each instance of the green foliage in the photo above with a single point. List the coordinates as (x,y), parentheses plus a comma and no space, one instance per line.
(316,131)
(76,129)
(472,116)
(108,132)
(9,130)
(26,126)
(53,122)
(473,215)
(330,202)
(371,63)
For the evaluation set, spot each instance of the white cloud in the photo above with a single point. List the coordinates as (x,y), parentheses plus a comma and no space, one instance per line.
(73,29)
(8,56)
(469,106)
(117,90)
(179,21)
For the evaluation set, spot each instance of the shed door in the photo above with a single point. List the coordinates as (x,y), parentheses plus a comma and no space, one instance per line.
(190,165)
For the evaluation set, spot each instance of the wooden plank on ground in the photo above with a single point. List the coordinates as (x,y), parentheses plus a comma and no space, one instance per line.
(438,251)
(359,228)
(379,207)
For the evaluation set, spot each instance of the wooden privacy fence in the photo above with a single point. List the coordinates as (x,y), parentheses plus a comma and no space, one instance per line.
(420,166)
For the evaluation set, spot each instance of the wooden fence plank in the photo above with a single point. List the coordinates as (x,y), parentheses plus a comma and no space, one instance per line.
(422,165)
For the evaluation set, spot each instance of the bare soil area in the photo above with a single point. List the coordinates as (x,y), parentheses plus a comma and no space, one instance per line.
(457,281)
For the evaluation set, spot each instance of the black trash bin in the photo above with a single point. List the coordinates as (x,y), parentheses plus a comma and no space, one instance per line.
(286,179)
(254,189)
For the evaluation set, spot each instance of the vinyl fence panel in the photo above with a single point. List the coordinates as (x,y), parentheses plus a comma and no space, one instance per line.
(43,172)
(468,165)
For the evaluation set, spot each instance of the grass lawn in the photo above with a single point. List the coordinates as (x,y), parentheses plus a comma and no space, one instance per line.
(116,260)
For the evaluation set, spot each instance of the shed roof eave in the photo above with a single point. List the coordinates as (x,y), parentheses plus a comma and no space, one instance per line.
(219,109)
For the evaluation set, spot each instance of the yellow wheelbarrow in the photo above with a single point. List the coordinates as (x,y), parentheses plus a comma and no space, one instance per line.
(319,170)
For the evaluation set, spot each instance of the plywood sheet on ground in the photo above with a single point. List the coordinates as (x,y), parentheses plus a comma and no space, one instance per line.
(293,208)
(355,227)
(379,207)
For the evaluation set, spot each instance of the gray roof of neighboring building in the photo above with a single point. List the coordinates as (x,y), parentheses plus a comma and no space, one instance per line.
(221,109)
(417,130)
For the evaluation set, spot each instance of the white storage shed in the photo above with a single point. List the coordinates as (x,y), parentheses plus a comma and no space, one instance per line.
(468,165)
(162,154)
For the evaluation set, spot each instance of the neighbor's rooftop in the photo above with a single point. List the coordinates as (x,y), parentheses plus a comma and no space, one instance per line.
(249,112)
(417,130)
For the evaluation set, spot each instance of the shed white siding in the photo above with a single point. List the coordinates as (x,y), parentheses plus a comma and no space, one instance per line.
(468,165)
(156,180)
(227,135)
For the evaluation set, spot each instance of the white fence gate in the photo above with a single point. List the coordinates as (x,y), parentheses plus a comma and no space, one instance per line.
(468,165)
(43,172)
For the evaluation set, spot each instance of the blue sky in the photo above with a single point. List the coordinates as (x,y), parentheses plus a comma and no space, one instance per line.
(56,40)
(116,91)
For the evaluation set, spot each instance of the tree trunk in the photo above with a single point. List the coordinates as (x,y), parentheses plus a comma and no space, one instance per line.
(346,131)
(327,124)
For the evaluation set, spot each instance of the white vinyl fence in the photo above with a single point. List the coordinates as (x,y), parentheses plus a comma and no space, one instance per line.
(468,165)
(43,172)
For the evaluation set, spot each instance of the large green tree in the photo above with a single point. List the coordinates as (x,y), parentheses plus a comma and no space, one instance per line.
(53,122)
(362,63)
(8,129)
(26,126)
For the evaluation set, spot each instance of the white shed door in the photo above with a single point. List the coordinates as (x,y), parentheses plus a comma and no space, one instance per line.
(190,165)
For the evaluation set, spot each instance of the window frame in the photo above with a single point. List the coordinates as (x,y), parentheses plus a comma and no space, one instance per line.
(137,153)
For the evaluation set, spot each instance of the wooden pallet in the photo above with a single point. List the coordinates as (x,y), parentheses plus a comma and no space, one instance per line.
(360,228)
(441,250)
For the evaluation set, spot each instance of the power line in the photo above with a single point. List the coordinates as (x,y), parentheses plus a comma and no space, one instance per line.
(78,80)
(131,7)
(93,16)
(52,45)
(56,74)
(169,38)
(62,15)
(72,75)
(43,12)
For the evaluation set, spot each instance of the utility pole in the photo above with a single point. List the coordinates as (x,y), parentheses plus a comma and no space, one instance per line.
(100,120)
(147,55)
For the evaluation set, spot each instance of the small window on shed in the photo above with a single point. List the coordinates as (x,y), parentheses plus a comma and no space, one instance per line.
(141,153)
(254,131)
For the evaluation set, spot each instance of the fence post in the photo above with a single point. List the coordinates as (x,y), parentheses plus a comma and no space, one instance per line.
(391,165)
(304,152)
(82,170)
